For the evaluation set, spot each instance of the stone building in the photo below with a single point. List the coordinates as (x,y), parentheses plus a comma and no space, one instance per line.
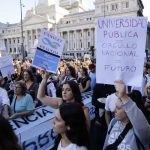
(71,19)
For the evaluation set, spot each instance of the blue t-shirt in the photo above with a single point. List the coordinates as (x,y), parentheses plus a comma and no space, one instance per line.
(93,79)
(23,104)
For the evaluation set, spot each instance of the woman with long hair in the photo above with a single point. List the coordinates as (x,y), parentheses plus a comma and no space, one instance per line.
(84,81)
(70,93)
(8,139)
(70,123)
(32,86)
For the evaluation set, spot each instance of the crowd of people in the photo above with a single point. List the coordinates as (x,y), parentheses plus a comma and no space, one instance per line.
(122,113)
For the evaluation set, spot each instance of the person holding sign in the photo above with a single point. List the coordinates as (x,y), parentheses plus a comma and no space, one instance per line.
(70,93)
(70,123)
(129,129)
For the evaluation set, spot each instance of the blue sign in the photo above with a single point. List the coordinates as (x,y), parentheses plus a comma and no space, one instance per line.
(46,60)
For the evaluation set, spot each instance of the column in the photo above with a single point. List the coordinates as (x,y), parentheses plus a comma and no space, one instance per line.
(78,39)
(72,41)
(12,45)
(82,39)
(31,38)
(26,41)
(68,48)
(74,37)
(94,37)
(36,33)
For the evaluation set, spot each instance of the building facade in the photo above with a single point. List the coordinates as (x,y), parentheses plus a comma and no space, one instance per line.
(70,19)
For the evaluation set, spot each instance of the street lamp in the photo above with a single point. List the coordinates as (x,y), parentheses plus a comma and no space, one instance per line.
(22,41)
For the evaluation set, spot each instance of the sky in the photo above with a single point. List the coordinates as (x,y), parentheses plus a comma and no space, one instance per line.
(10,9)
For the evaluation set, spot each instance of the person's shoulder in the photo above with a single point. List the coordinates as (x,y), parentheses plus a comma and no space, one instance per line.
(111,95)
(28,96)
(2,90)
(81,148)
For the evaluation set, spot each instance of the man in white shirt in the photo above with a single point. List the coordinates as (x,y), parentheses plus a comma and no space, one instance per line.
(4,103)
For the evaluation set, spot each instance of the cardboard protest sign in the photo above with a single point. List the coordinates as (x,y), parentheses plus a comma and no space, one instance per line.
(48,51)
(120,48)
(6,66)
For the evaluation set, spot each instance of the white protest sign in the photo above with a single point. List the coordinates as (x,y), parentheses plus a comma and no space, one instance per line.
(48,51)
(35,131)
(6,66)
(120,48)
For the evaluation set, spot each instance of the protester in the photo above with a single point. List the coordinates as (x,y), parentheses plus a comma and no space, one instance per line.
(70,74)
(32,86)
(70,123)
(8,139)
(50,87)
(22,104)
(37,76)
(4,103)
(84,81)
(100,92)
(70,93)
(125,130)
(92,75)
(147,96)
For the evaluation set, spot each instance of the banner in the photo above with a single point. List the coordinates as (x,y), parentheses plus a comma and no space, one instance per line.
(48,51)
(6,66)
(120,48)
(35,131)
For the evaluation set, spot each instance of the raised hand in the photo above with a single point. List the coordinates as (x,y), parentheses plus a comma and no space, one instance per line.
(45,74)
(120,88)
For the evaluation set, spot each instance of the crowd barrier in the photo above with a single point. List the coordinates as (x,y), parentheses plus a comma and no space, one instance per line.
(35,131)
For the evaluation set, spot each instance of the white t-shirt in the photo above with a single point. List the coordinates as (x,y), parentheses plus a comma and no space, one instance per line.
(4,100)
(71,147)
(148,78)
(110,104)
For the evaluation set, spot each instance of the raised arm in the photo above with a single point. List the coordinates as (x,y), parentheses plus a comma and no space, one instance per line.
(53,102)
(137,118)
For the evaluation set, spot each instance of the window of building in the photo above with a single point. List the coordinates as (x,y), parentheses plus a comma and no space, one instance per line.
(114,6)
(10,50)
(88,33)
(81,44)
(15,50)
(10,41)
(88,44)
(78,54)
(125,4)
(106,8)
(14,41)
